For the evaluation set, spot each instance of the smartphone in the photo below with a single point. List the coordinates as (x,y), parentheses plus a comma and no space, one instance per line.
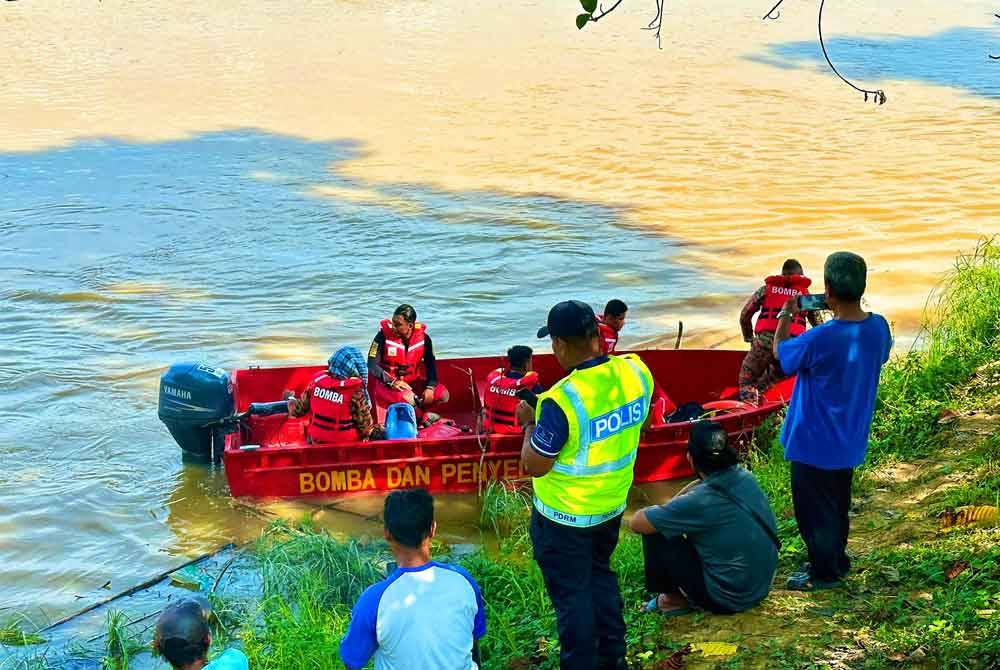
(390,567)
(528,397)
(812,302)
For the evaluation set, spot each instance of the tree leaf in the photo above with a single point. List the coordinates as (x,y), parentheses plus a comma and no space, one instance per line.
(589,6)
(581,20)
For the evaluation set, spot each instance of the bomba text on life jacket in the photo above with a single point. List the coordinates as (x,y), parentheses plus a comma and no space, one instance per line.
(327,394)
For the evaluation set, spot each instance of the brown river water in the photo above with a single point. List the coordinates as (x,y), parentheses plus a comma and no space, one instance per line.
(246,182)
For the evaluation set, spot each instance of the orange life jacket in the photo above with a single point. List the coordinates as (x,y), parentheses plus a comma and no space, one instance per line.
(608,335)
(330,409)
(404,361)
(500,401)
(778,289)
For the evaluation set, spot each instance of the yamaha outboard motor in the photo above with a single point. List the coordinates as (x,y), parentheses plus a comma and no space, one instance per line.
(194,398)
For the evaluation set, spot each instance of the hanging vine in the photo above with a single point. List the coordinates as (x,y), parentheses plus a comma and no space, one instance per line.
(991,55)
(593,13)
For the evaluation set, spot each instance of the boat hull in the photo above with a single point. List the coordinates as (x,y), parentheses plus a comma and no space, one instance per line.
(269,458)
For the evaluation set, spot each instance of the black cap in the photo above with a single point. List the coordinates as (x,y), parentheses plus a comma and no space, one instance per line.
(570,318)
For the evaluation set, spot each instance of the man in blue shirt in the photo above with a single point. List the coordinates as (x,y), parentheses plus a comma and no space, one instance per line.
(423,615)
(829,419)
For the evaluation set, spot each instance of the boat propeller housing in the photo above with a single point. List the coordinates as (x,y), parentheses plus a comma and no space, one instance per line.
(195,399)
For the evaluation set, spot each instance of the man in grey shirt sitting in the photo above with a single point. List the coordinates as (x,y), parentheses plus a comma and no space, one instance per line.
(714,546)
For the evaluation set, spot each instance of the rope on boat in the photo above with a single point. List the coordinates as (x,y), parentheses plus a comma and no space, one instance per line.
(138,587)
(477,410)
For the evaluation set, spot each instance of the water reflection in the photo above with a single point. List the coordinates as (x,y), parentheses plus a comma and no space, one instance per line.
(117,258)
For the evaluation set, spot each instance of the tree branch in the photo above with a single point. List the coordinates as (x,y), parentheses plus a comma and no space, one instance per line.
(605,12)
(657,22)
(773,14)
(991,55)
(879,95)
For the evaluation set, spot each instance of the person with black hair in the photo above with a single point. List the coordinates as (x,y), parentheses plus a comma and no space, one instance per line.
(760,370)
(826,429)
(183,637)
(502,388)
(425,614)
(610,324)
(714,546)
(401,361)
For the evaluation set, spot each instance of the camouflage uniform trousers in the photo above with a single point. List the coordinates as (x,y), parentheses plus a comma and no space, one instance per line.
(760,370)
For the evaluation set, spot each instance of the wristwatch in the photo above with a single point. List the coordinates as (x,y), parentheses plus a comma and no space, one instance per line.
(783,313)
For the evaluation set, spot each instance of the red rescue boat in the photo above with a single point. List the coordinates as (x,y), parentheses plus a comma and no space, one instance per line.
(267,456)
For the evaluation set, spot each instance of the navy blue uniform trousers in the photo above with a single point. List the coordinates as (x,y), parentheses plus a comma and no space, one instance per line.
(576,566)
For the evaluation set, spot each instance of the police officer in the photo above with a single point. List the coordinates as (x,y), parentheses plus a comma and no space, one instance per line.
(580,446)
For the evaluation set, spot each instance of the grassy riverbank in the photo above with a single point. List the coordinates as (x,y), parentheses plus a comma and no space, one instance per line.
(919,596)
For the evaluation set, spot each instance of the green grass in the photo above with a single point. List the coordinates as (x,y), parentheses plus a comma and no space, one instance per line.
(962,333)
(20,632)
(953,623)
(899,610)
(121,644)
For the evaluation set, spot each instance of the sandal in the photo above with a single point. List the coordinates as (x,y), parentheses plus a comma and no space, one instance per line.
(653,608)
(803,581)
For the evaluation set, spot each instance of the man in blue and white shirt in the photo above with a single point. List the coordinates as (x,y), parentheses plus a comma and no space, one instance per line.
(425,615)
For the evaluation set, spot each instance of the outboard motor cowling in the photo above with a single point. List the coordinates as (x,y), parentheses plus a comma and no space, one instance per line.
(194,398)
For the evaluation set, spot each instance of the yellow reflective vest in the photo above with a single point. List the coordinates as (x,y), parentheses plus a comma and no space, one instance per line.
(605,406)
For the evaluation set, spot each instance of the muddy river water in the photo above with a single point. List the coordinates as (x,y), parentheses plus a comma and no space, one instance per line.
(242,182)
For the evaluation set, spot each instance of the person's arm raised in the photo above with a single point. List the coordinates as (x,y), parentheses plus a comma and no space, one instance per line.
(785,316)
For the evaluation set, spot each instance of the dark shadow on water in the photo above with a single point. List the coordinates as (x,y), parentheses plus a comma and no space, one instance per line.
(264,232)
(956,58)
(118,258)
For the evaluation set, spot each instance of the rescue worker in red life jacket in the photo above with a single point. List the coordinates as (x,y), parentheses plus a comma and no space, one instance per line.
(502,386)
(760,369)
(337,401)
(401,361)
(610,324)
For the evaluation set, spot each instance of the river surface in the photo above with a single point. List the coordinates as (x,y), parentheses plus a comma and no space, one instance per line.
(259,183)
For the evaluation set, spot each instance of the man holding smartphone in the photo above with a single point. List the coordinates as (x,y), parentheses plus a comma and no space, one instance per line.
(826,430)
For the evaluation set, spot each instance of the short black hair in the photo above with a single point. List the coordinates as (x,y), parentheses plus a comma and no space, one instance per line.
(182,633)
(409,515)
(519,355)
(709,447)
(791,265)
(846,276)
(615,307)
(407,312)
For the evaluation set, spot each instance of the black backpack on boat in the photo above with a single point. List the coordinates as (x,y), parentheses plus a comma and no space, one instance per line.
(689,411)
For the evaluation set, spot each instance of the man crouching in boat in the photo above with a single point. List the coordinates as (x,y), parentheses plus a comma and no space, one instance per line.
(502,387)
(760,370)
(401,359)
(337,402)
